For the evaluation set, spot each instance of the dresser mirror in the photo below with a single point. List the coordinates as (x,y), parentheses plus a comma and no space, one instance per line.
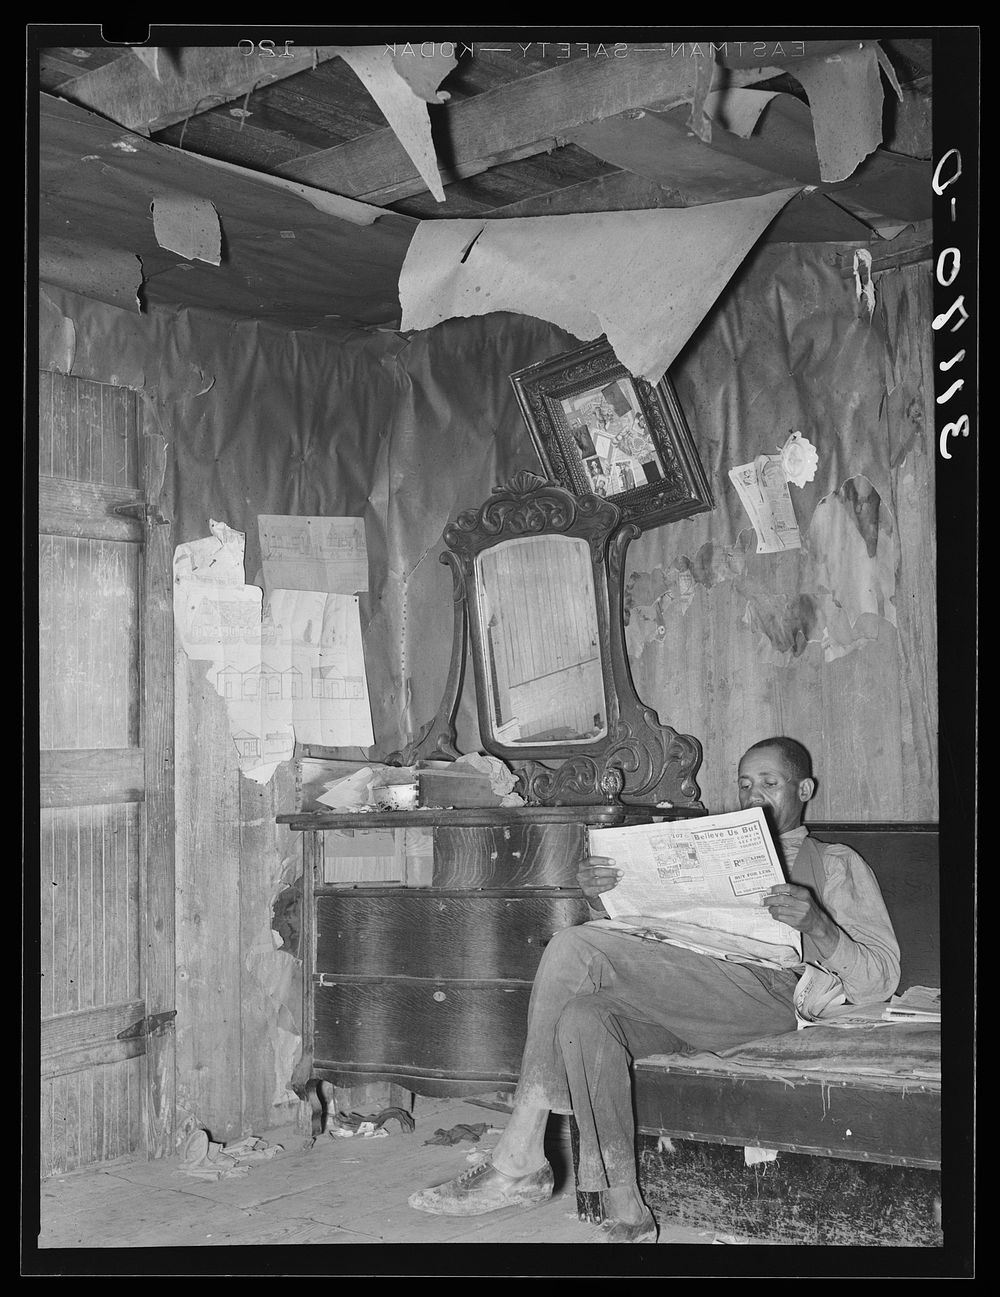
(539,641)
(537,583)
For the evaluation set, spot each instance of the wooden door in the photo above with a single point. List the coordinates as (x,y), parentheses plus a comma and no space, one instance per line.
(106,834)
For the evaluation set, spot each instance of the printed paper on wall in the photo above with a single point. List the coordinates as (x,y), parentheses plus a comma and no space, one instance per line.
(301,553)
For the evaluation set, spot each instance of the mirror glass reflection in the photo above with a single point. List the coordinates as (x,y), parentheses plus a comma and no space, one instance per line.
(538,622)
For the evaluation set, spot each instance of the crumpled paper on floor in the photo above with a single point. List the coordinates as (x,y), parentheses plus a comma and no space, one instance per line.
(207,1160)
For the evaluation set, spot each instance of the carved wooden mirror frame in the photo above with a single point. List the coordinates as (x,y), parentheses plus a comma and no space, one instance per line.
(638,760)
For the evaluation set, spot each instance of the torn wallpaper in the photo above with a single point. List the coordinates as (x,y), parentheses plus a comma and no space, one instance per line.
(832,640)
(645,279)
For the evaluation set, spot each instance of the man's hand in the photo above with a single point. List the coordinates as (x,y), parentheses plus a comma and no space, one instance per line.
(597,874)
(796,906)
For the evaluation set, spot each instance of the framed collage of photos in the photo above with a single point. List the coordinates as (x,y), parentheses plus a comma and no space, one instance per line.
(597,428)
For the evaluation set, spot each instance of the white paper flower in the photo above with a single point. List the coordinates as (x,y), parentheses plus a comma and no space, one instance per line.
(799,459)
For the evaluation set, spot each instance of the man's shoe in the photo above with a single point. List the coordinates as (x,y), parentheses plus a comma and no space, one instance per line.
(484,1189)
(644,1231)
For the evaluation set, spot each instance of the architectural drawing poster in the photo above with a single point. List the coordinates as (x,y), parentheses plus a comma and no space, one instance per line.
(300,553)
(292,668)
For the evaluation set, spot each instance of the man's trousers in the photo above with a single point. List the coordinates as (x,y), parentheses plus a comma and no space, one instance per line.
(601,999)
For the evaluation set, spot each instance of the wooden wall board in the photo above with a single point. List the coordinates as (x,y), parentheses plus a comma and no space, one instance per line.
(904,295)
(208,995)
(157,872)
(265,847)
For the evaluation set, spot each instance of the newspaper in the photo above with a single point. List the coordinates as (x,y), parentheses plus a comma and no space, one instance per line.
(763,489)
(918,1004)
(698,883)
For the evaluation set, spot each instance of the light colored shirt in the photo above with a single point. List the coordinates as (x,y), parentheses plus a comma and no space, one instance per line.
(864,966)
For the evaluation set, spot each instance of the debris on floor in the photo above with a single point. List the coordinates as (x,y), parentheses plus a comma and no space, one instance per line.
(457,1133)
(343,1125)
(202,1157)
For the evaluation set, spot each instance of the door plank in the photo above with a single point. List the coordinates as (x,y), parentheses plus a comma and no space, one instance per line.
(91,776)
(88,1059)
(89,1027)
(89,658)
(85,509)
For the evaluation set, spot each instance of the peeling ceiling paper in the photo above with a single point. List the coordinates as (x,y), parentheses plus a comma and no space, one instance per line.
(188,226)
(738,111)
(149,58)
(404,109)
(845,95)
(105,274)
(646,279)
(424,73)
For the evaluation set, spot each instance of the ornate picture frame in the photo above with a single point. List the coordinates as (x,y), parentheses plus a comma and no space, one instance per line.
(598,429)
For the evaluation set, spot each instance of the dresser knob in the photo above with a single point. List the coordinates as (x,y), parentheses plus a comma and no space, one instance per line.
(439,996)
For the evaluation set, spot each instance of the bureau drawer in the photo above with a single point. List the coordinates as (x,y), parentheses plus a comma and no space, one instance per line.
(421,1028)
(429,934)
(515,855)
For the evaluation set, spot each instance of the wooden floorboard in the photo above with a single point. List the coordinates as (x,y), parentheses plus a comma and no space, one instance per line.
(339,1191)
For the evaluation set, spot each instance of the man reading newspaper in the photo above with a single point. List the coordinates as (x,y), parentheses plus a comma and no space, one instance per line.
(603,997)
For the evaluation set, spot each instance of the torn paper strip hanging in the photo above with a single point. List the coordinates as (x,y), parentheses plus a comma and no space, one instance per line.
(645,279)
(403,101)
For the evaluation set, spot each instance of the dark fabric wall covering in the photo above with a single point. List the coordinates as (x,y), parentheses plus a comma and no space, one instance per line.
(408,432)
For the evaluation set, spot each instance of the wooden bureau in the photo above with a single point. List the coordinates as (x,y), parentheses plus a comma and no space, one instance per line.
(428,986)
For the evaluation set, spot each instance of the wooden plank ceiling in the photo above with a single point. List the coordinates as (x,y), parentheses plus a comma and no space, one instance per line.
(295,125)
(508,137)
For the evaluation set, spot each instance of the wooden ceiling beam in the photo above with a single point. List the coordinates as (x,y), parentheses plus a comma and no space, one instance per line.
(616,191)
(191,79)
(514,121)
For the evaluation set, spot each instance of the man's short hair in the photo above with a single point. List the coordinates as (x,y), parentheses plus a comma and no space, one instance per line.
(796,755)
